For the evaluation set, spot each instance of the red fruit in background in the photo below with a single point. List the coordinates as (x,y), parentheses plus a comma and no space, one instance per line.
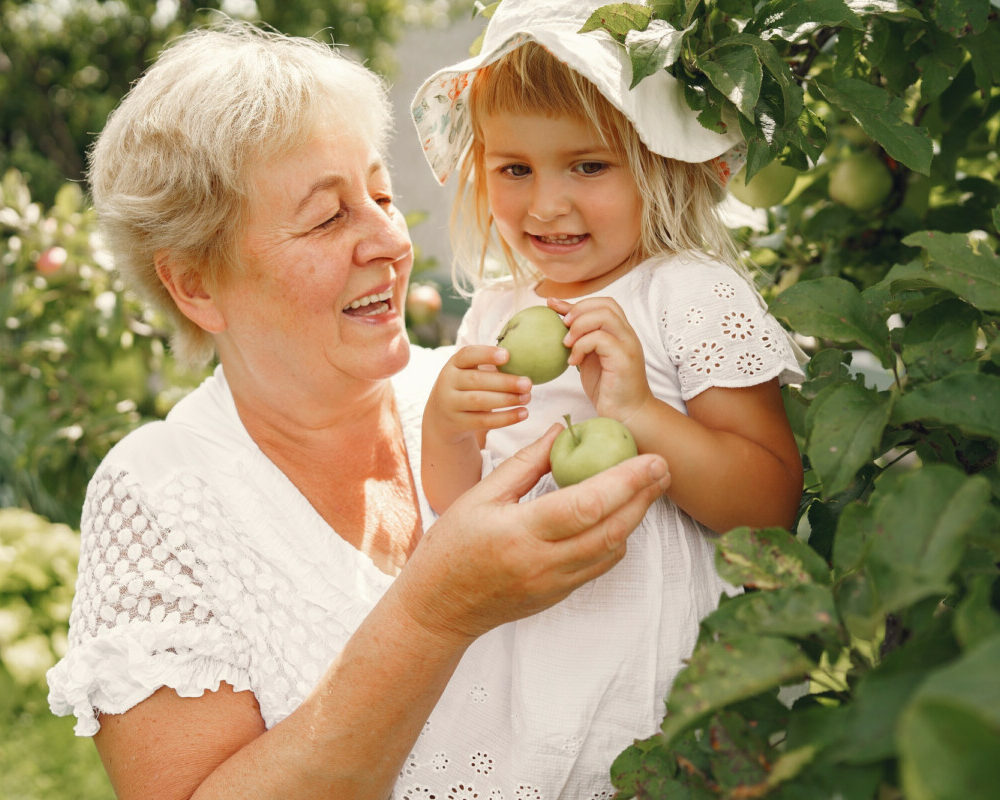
(51,260)
(423,303)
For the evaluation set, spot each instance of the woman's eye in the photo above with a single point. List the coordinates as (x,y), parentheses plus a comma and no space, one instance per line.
(329,223)
(592,167)
(516,170)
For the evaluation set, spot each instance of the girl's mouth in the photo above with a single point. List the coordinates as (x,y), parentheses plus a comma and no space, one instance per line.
(560,238)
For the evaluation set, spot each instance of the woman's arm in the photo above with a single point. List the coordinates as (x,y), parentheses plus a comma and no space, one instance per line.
(487,561)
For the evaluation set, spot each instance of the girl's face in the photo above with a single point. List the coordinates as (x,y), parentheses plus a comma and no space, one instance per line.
(561,199)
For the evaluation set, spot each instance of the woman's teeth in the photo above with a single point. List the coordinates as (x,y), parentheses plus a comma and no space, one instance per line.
(563,238)
(368,300)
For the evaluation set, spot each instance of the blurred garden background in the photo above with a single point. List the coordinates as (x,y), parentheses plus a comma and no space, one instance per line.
(872,219)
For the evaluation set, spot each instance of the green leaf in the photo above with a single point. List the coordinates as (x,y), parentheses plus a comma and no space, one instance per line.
(984,53)
(767,559)
(968,400)
(792,611)
(618,19)
(653,49)
(737,73)
(867,733)
(793,14)
(921,521)
(939,339)
(882,117)
(640,762)
(739,751)
(975,617)
(832,308)
(949,735)
(721,673)
(844,427)
(960,17)
(952,263)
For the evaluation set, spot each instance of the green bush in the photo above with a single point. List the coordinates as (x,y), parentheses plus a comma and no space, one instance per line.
(40,758)
(81,361)
(863,659)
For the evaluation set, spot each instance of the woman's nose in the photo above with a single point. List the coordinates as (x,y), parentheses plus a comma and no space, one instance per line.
(386,236)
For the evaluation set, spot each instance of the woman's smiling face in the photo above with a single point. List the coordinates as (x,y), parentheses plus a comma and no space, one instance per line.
(325,259)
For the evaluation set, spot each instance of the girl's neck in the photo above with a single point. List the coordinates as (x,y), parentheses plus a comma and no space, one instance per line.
(546,287)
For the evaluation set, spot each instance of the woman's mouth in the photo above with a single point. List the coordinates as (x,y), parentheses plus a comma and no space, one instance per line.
(371,304)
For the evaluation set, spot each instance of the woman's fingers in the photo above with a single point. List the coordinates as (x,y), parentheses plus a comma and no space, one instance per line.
(606,506)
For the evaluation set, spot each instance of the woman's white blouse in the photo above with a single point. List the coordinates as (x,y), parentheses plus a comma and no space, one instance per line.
(201,562)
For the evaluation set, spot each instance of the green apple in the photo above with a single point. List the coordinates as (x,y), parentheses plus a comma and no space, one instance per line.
(534,339)
(588,447)
(768,187)
(861,181)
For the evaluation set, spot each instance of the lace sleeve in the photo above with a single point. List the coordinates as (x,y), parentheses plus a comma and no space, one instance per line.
(147,610)
(717,331)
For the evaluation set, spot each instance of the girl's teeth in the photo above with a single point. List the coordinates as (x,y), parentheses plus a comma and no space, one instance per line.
(367,300)
(561,239)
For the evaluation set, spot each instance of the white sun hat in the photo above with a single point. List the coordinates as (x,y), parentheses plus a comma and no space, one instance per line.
(656,106)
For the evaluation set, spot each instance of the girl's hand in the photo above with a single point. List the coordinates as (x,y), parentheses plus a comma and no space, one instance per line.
(471,396)
(609,354)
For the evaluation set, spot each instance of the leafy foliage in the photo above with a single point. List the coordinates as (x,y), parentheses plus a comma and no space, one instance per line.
(861,660)
(81,361)
(65,65)
(40,756)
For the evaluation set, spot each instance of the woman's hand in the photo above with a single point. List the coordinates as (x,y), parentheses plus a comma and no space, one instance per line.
(609,354)
(490,559)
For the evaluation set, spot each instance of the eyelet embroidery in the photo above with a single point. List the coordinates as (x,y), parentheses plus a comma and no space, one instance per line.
(749,363)
(707,357)
(724,290)
(737,326)
(481,763)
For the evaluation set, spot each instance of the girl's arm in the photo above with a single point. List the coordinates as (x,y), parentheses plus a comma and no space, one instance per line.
(469,398)
(733,457)
(487,561)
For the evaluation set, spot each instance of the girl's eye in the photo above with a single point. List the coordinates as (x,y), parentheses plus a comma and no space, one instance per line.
(592,167)
(516,170)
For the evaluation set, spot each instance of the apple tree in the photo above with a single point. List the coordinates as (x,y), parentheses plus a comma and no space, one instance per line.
(862,659)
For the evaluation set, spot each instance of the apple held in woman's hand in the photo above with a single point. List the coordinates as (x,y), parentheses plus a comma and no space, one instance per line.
(534,339)
(588,447)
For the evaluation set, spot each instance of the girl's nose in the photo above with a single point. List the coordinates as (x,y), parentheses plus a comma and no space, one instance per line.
(548,201)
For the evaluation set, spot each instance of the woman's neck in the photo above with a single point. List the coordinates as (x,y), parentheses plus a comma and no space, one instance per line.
(350,463)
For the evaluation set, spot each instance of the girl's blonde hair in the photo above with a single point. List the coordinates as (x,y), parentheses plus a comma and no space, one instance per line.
(171,171)
(680,199)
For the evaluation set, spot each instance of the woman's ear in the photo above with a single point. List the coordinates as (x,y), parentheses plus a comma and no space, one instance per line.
(189,292)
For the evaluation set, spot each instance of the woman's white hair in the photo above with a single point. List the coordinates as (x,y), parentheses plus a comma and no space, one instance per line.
(171,169)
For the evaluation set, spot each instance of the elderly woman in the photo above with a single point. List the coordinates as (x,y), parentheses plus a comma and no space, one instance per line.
(264,608)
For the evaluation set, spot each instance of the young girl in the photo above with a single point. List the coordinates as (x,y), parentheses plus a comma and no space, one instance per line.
(601,202)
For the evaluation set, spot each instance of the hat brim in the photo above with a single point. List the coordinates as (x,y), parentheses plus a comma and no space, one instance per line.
(656,106)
